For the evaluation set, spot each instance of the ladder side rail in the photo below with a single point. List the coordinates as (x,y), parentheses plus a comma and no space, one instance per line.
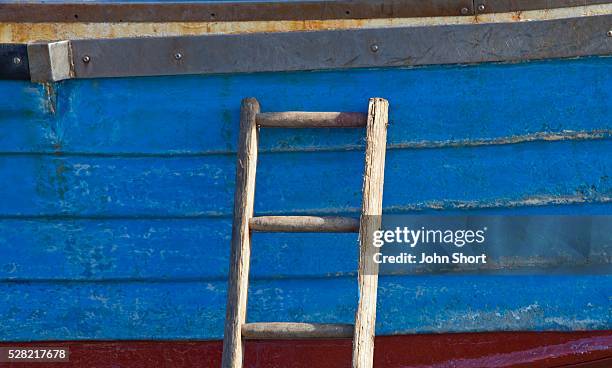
(373,180)
(244,197)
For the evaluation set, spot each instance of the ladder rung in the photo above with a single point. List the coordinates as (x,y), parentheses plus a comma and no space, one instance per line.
(304,224)
(290,330)
(298,119)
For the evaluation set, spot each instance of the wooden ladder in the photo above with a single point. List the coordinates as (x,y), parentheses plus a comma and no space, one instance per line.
(236,328)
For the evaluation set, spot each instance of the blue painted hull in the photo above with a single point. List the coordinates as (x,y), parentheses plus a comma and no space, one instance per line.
(115,207)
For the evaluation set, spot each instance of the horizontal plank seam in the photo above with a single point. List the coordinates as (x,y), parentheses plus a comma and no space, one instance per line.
(154,280)
(596,266)
(461,143)
(195,339)
(534,201)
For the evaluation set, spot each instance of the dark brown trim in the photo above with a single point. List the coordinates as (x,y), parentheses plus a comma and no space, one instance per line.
(230,11)
(266,10)
(504,6)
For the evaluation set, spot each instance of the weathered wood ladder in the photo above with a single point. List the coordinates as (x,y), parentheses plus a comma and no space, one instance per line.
(236,328)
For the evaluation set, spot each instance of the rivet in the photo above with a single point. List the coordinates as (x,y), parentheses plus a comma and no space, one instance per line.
(464,11)
(374,47)
(178,56)
(609,33)
(17,60)
(86,59)
(481,7)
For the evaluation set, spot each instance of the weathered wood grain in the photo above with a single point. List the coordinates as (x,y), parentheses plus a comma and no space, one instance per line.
(440,104)
(295,330)
(371,218)
(300,119)
(193,309)
(487,176)
(244,198)
(297,224)
(102,227)
(164,250)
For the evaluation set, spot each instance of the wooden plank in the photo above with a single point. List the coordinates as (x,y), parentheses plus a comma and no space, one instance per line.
(292,330)
(536,173)
(365,321)
(130,308)
(304,224)
(171,249)
(299,119)
(244,198)
(421,115)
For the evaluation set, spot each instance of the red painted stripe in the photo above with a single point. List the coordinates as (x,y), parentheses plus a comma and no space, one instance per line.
(500,349)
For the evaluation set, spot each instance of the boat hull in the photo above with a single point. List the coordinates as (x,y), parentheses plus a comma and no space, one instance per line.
(116,213)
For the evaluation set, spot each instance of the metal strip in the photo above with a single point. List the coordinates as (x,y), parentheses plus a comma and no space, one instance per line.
(230,11)
(50,61)
(14,62)
(340,49)
(503,6)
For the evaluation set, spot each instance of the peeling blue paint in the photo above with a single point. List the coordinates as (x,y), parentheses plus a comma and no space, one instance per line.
(115,203)
(196,310)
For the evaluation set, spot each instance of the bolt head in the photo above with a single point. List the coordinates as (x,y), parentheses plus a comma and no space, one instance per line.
(16,60)
(86,59)
(374,47)
(178,56)
(464,11)
(481,7)
(609,33)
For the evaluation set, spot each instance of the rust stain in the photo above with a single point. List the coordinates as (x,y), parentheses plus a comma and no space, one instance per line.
(51,97)
(61,183)
(27,32)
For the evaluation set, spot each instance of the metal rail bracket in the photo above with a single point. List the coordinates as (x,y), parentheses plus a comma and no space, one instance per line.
(50,61)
